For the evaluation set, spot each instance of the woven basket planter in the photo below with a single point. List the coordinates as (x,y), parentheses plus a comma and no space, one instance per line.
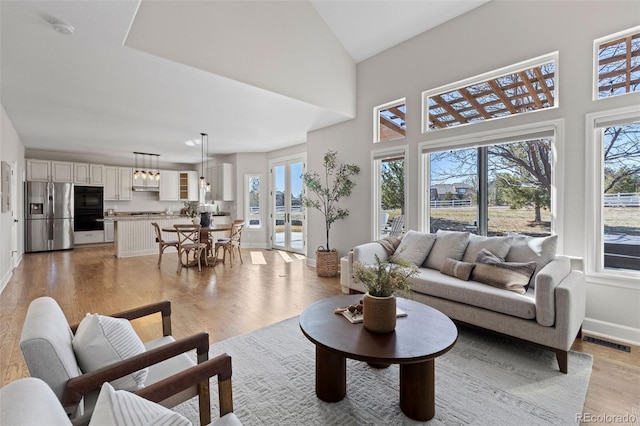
(379,313)
(327,263)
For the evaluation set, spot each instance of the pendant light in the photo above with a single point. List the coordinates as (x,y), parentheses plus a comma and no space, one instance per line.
(208,184)
(203,182)
(143,173)
(137,172)
(157,167)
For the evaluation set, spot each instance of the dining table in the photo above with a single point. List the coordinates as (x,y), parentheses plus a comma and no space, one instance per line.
(211,258)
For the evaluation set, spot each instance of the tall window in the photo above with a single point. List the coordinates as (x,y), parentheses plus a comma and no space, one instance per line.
(253,214)
(618,64)
(389,169)
(389,121)
(517,89)
(492,189)
(615,215)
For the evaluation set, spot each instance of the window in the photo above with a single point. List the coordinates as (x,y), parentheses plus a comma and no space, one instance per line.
(521,88)
(253,201)
(389,121)
(618,64)
(501,186)
(615,203)
(389,170)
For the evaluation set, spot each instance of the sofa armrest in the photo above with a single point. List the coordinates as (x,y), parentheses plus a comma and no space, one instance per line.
(366,253)
(546,282)
(571,300)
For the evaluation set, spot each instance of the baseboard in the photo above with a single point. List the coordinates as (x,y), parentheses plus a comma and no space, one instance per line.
(255,246)
(5,280)
(610,331)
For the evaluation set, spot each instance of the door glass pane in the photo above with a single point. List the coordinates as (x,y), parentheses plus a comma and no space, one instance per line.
(297,212)
(519,188)
(391,203)
(453,190)
(279,211)
(621,198)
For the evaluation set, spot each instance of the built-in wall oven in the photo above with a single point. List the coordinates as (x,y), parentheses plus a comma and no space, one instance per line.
(88,208)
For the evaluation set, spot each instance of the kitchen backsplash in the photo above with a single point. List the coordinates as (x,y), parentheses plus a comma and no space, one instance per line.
(148,201)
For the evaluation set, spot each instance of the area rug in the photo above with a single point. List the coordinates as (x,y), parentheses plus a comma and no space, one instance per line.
(484,380)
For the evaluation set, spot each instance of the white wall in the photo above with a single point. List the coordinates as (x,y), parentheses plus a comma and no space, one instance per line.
(490,37)
(11,151)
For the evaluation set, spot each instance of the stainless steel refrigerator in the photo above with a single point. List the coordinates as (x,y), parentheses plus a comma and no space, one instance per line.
(48,216)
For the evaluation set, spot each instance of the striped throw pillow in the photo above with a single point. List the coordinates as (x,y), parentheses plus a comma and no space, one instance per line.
(122,408)
(101,340)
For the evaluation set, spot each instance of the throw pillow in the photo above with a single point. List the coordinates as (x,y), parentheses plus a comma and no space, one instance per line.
(506,275)
(449,244)
(122,408)
(527,249)
(414,247)
(499,246)
(101,340)
(458,269)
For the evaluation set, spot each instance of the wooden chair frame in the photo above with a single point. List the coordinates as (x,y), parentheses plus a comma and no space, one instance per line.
(228,244)
(162,244)
(188,242)
(172,390)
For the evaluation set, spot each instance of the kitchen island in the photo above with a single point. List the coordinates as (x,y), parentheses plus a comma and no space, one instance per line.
(134,235)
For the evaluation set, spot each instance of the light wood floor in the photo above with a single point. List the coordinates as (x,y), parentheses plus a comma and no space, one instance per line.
(225,302)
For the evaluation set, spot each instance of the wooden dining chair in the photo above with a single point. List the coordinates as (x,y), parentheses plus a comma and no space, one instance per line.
(162,244)
(189,243)
(228,245)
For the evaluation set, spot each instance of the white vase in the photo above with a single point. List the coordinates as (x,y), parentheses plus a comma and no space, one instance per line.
(196,220)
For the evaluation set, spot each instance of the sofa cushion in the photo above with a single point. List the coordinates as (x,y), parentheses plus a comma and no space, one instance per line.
(457,268)
(539,249)
(498,246)
(433,283)
(414,247)
(449,244)
(512,276)
(101,340)
(125,408)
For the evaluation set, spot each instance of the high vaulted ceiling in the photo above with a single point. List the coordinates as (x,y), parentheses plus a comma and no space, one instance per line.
(147,76)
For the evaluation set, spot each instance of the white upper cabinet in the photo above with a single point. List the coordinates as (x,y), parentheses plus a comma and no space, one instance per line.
(49,171)
(88,174)
(221,182)
(117,183)
(169,185)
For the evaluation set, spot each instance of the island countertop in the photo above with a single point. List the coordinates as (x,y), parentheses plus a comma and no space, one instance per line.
(127,216)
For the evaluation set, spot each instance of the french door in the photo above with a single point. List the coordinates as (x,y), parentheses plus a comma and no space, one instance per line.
(287,213)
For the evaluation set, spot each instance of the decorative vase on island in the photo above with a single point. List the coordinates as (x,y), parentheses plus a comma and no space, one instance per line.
(379,313)
(196,220)
(205,219)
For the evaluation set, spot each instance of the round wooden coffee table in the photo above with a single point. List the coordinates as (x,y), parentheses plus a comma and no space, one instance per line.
(420,337)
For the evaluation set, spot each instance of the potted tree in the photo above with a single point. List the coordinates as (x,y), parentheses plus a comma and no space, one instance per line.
(326,191)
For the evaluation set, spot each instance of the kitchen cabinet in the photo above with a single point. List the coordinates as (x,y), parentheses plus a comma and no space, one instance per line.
(169,185)
(88,237)
(117,183)
(108,230)
(49,171)
(221,179)
(88,174)
(179,186)
(188,186)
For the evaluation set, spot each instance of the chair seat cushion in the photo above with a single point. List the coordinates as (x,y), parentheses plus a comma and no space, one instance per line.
(115,408)
(101,340)
(227,420)
(168,367)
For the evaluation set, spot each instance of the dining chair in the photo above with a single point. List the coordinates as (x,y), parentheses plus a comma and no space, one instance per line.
(232,243)
(189,243)
(162,244)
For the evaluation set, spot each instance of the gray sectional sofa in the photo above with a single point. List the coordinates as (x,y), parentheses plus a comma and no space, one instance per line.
(492,283)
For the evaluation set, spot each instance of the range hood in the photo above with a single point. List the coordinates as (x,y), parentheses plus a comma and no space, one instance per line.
(140,188)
